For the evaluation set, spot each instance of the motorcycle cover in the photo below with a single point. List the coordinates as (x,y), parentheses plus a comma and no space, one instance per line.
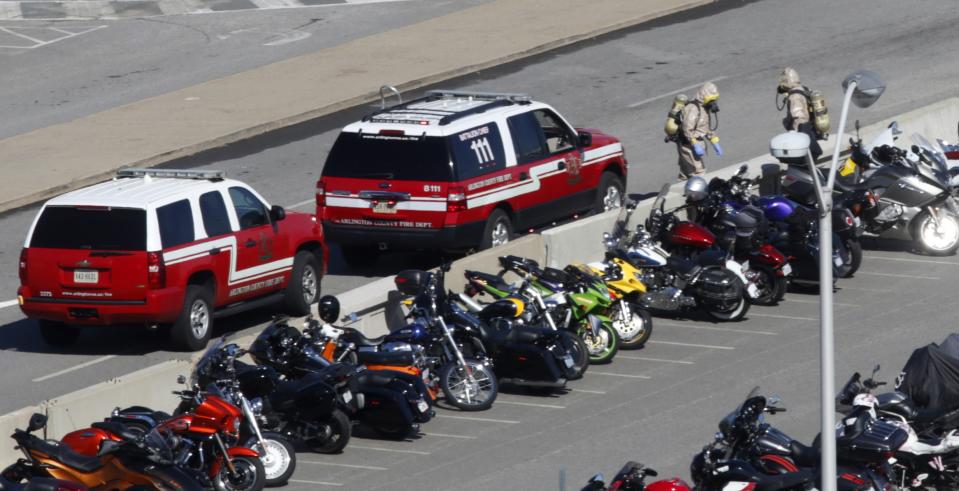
(931,378)
(951,345)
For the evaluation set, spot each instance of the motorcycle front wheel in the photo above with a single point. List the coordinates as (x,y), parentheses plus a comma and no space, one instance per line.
(634,331)
(469,388)
(936,241)
(602,347)
(249,475)
(278,456)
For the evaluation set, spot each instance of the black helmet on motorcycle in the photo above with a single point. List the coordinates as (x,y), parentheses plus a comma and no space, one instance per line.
(696,189)
(329,309)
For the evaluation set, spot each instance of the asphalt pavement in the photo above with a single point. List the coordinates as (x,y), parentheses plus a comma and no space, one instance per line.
(621,84)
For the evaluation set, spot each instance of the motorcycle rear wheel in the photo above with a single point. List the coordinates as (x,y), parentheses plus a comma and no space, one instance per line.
(340,430)
(577,348)
(851,259)
(466,395)
(772,287)
(730,315)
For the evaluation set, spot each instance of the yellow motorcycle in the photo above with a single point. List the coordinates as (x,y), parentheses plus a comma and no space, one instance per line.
(633,323)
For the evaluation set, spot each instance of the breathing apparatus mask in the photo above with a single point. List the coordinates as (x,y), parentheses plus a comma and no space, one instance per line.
(711,105)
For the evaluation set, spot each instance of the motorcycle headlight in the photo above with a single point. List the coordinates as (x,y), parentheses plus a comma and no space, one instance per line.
(256,405)
(236,425)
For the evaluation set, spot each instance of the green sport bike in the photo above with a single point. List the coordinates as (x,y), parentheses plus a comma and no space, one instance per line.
(574,299)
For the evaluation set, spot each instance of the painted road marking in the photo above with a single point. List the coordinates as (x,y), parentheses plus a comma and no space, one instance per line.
(315,483)
(9,303)
(348,466)
(661,96)
(903,259)
(482,420)
(529,404)
(691,345)
(447,435)
(301,203)
(720,329)
(585,391)
(643,358)
(394,450)
(919,277)
(791,317)
(624,375)
(74,368)
(30,42)
(816,302)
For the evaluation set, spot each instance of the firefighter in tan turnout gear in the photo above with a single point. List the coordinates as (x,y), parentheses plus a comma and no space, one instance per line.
(690,125)
(805,109)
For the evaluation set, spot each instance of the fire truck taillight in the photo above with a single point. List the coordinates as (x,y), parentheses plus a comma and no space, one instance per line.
(156,271)
(320,194)
(456,200)
(23,266)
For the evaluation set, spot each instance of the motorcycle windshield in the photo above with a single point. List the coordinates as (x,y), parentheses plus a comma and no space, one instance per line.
(203,368)
(934,156)
(660,202)
(159,443)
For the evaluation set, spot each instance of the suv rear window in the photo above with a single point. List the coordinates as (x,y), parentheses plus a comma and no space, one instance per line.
(176,223)
(403,158)
(104,229)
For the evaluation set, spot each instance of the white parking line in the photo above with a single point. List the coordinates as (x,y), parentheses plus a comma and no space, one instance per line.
(315,483)
(585,391)
(643,358)
(920,277)
(9,303)
(790,317)
(446,435)
(301,203)
(482,420)
(394,450)
(349,466)
(529,404)
(906,260)
(816,302)
(624,375)
(720,329)
(655,98)
(74,368)
(691,345)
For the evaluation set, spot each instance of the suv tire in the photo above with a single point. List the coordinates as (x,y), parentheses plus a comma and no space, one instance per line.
(58,334)
(188,331)
(610,187)
(498,230)
(304,287)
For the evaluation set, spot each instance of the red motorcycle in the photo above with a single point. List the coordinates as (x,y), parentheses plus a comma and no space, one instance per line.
(201,444)
(632,477)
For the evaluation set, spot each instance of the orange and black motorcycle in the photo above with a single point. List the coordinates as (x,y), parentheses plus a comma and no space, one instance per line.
(127,461)
(206,427)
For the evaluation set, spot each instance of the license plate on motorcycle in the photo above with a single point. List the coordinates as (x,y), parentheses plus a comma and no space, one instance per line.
(384,207)
(568,360)
(347,396)
(837,261)
(787,270)
(422,406)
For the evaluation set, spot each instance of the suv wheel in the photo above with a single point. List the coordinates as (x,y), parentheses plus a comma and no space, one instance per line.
(304,286)
(609,193)
(58,334)
(193,328)
(498,231)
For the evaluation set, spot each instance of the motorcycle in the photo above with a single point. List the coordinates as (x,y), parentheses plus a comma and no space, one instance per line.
(130,460)
(632,477)
(909,192)
(924,460)
(748,450)
(204,430)
(391,402)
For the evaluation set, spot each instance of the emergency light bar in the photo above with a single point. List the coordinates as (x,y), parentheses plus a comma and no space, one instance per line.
(492,96)
(212,175)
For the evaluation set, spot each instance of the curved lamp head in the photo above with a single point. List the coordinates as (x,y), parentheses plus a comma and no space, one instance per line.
(789,146)
(869,86)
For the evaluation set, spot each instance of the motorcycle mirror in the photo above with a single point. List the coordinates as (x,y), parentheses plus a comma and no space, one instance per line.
(180,379)
(774,400)
(649,472)
(597,478)
(37,421)
(875,369)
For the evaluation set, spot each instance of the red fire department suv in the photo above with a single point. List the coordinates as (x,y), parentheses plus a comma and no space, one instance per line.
(165,248)
(458,170)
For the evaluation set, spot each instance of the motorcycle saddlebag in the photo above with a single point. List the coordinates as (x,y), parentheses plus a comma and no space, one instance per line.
(719,284)
(528,364)
(412,281)
(385,407)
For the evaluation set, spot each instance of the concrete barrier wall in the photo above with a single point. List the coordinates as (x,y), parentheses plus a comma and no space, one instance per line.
(376,304)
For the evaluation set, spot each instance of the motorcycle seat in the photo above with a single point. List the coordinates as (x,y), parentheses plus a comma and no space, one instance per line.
(493,280)
(680,265)
(802,455)
(65,455)
(395,358)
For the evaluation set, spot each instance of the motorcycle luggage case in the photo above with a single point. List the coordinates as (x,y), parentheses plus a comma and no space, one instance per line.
(309,397)
(412,281)
(527,364)
(385,407)
(719,284)
(879,437)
